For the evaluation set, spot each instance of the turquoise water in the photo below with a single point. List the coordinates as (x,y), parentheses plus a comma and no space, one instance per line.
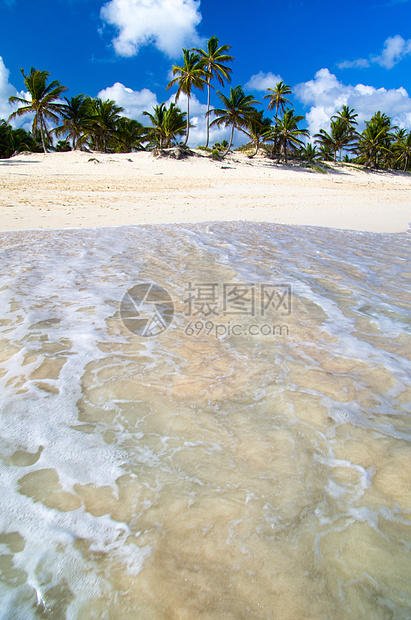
(249,459)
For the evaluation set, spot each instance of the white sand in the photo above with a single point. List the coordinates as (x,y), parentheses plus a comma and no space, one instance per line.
(70,190)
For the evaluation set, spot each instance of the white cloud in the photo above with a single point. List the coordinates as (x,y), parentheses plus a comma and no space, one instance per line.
(360,63)
(169,25)
(326,94)
(395,49)
(134,102)
(261,81)
(6,90)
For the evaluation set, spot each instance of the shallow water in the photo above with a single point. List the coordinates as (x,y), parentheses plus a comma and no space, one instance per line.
(251,460)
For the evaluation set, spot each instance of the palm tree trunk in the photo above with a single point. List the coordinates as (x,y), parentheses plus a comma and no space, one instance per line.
(42,134)
(208,109)
(231,141)
(188,119)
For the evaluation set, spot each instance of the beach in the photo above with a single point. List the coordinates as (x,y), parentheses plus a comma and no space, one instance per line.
(82,190)
(205,389)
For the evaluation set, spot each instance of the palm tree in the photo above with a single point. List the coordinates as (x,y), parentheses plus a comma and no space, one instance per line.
(277,97)
(16,140)
(43,101)
(213,60)
(374,144)
(309,153)
(326,152)
(258,128)
(402,148)
(102,122)
(6,140)
(238,107)
(167,123)
(191,74)
(341,136)
(287,132)
(348,117)
(75,113)
(174,123)
(157,131)
(130,135)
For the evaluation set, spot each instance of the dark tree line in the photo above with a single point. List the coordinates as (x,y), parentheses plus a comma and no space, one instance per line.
(83,122)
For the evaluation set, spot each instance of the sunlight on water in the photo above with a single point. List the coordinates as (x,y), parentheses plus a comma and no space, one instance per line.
(251,460)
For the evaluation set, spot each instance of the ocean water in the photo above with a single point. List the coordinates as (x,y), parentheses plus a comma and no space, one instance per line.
(205,421)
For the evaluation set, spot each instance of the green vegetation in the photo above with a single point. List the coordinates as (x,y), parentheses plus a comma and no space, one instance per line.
(85,123)
(16,140)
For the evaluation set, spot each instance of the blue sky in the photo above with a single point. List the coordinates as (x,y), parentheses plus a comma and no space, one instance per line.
(331,53)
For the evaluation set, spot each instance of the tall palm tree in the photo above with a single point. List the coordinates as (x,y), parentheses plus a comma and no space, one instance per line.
(75,113)
(287,132)
(102,122)
(213,59)
(43,102)
(236,112)
(277,97)
(191,74)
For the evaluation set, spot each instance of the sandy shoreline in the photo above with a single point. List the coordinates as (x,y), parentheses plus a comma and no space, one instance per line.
(72,190)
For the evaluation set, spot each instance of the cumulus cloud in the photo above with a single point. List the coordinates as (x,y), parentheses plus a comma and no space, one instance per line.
(6,90)
(134,102)
(261,81)
(325,94)
(169,25)
(395,49)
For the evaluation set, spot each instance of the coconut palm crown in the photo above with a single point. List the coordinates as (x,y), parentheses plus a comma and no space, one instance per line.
(43,102)
(75,113)
(236,112)
(278,100)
